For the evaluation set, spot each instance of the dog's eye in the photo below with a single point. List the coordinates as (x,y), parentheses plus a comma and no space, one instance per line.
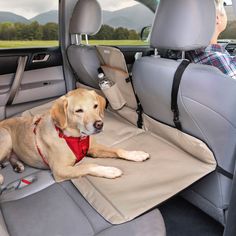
(79,111)
(95,106)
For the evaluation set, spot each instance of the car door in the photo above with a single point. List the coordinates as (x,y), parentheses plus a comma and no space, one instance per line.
(31,71)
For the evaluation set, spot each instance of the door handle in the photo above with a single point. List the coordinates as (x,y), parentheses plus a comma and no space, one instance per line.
(41,57)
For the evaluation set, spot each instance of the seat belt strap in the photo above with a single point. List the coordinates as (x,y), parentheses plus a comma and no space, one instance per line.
(174,93)
(230,227)
(17,79)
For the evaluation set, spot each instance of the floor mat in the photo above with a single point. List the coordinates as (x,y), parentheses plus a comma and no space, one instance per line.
(183,219)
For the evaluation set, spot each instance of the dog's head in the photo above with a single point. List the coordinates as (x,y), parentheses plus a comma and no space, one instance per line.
(80,110)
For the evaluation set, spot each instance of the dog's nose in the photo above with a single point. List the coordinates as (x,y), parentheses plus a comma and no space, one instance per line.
(98,124)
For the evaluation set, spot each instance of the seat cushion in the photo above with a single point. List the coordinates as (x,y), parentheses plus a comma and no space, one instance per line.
(61,210)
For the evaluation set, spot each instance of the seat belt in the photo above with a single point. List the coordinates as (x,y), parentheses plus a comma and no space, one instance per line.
(17,78)
(230,227)
(174,92)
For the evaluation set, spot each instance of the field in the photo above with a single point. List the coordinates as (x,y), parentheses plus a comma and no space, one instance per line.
(35,43)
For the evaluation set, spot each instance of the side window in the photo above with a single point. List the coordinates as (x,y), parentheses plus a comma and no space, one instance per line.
(123,21)
(230,31)
(28,23)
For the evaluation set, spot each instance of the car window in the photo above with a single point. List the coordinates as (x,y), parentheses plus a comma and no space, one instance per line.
(123,21)
(28,23)
(230,31)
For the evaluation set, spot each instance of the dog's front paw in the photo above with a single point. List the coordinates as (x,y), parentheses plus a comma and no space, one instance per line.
(106,172)
(134,155)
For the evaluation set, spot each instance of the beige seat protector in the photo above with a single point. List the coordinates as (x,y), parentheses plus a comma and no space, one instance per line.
(177,160)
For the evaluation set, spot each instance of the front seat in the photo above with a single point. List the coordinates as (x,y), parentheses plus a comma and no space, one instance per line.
(206,97)
(86,20)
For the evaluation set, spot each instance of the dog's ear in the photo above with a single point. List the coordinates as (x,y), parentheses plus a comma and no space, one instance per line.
(59,112)
(102,104)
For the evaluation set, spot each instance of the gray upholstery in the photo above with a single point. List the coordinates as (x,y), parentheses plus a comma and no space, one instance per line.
(86,18)
(84,61)
(183,24)
(59,209)
(206,97)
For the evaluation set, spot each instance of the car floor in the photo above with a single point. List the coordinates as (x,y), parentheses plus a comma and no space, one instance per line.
(183,219)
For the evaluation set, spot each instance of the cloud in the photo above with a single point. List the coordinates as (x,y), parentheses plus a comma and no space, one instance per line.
(112,5)
(28,8)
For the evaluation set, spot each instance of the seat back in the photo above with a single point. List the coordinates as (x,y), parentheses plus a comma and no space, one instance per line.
(86,20)
(86,59)
(205,99)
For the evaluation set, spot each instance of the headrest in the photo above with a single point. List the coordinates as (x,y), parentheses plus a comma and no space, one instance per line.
(86,17)
(183,24)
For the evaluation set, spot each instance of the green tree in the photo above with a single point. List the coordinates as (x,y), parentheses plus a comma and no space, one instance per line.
(133,35)
(7,31)
(121,33)
(50,31)
(105,33)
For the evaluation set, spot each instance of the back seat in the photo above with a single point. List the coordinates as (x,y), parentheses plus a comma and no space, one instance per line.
(51,209)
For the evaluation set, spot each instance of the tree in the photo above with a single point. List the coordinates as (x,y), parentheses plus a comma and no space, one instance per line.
(121,33)
(105,33)
(50,31)
(133,35)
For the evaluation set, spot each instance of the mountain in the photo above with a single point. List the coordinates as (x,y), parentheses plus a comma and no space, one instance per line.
(141,16)
(11,17)
(44,18)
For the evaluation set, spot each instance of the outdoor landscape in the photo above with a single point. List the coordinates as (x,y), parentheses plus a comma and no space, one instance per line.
(117,29)
(42,30)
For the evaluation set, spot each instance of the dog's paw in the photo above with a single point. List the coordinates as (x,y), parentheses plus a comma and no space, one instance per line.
(106,172)
(19,167)
(135,155)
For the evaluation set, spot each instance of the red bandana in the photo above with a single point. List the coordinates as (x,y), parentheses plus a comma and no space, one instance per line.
(78,145)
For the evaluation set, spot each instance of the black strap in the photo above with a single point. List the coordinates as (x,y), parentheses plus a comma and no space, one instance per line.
(224,172)
(230,228)
(139,109)
(174,93)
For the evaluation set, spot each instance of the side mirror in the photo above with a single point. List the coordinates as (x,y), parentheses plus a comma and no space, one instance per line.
(145,33)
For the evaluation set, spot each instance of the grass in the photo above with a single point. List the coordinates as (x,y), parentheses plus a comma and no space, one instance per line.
(37,43)
(24,44)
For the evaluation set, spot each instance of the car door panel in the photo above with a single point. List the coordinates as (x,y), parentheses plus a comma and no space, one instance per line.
(42,81)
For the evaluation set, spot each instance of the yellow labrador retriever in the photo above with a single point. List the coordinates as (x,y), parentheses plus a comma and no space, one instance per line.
(59,138)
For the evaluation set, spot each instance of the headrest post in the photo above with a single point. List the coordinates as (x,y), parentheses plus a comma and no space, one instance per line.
(156,53)
(183,55)
(86,39)
(77,39)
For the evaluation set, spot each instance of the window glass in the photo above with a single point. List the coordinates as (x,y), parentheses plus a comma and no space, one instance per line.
(28,23)
(230,31)
(123,21)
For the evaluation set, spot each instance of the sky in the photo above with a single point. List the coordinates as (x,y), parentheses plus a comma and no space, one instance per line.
(31,8)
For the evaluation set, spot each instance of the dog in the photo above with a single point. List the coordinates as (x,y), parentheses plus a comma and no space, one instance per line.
(61,137)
